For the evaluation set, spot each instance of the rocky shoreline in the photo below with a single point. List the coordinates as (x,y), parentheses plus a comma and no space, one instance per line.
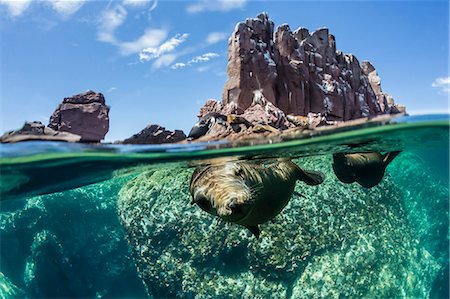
(278,81)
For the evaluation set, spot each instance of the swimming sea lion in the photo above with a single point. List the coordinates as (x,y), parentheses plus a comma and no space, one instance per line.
(248,193)
(367,169)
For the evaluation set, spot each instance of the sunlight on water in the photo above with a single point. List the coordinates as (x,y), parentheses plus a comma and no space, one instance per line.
(130,229)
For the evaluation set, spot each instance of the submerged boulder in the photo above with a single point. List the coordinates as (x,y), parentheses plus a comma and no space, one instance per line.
(334,240)
(85,114)
(35,130)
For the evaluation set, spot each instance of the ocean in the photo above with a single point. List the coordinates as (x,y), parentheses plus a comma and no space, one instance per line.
(116,221)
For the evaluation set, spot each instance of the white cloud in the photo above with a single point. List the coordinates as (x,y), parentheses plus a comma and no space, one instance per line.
(154,52)
(442,83)
(178,65)
(164,60)
(151,45)
(204,57)
(150,39)
(141,3)
(215,5)
(197,59)
(110,20)
(215,37)
(15,7)
(66,8)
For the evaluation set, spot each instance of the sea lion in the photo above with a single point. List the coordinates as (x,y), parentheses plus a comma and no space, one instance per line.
(248,193)
(201,127)
(367,169)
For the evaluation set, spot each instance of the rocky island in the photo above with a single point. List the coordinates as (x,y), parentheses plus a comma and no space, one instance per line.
(278,80)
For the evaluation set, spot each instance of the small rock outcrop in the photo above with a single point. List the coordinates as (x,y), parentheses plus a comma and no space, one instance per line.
(84,114)
(155,134)
(300,72)
(35,130)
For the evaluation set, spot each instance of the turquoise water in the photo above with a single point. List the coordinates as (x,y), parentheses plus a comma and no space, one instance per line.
(116,220)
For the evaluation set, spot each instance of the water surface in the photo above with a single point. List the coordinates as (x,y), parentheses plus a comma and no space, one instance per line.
(116,221)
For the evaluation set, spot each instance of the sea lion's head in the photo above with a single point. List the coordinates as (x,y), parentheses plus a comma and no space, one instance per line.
(342,167)
(223,190)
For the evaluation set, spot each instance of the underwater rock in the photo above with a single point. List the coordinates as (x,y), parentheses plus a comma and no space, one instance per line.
(56,245)
(334,240)
(85,114)
(35,130)
(299,72)
(155,134)
(8,289)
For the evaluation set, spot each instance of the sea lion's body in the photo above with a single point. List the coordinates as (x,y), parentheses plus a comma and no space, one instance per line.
(248,193)
(367,169)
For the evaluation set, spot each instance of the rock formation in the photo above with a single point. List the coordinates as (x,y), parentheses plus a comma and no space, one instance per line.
(299,72)
(37,131)
(84,114)
(155,134)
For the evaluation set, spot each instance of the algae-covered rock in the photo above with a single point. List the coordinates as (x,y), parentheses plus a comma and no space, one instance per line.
(335,240)
(68,245)
(8,289)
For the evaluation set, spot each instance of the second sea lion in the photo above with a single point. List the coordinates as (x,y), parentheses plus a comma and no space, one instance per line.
(248,193)
(367,169)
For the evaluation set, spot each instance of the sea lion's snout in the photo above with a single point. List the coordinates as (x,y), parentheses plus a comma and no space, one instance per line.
(221,192)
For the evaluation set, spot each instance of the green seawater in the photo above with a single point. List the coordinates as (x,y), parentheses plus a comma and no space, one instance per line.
(115,221)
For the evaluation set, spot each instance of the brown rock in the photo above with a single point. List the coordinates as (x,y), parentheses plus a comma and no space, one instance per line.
(298,72)
(263,112)
(250,63)
(210,106)
(155,134)
(34,131)
(85,114)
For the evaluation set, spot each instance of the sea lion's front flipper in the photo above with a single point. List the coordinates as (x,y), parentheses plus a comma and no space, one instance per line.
(254,229)
(310,177)
(388,157)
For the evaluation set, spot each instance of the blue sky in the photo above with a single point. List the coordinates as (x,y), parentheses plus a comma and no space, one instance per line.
(158,61)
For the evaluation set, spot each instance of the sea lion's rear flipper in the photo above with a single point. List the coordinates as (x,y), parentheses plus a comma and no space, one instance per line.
(254,229)
(310,177)
(388,157)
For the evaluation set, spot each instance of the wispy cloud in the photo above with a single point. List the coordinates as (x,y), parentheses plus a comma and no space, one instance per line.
(215,5)
(151,45)
(141,3)
(110,20)
(442,83)
(17,7)
(164,60)
(66,8)
(197,59)
(215,37)
(152,38)
(154,52)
